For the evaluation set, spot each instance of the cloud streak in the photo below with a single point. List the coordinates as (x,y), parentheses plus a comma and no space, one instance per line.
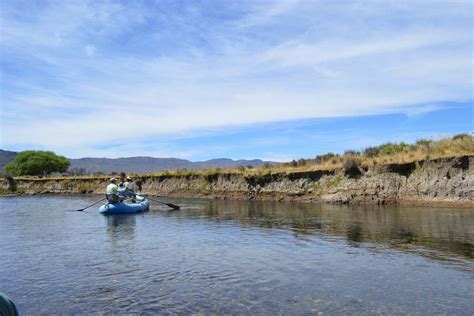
(80,74)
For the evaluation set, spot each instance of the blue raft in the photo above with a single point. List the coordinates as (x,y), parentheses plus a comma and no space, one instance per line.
(141,205)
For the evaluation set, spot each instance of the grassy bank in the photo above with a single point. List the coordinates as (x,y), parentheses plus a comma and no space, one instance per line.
(388,153)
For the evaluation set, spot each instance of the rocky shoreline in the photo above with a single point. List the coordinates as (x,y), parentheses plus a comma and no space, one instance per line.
(439,182)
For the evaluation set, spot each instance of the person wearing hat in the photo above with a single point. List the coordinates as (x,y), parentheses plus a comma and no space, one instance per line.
(129,188)
(112,192)
(130,185)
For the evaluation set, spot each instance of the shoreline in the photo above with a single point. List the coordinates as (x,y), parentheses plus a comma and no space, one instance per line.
(436,203)
(444,182)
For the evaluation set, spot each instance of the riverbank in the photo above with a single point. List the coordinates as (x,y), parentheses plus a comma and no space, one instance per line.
(443,181)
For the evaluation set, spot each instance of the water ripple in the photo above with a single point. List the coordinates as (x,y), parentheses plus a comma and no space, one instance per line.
(230,257)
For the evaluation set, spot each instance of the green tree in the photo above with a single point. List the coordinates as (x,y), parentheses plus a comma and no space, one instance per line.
(36,162)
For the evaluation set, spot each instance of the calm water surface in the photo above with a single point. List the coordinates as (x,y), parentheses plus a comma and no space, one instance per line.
(236,257)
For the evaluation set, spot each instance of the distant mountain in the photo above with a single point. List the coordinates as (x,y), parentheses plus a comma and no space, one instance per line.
(142,164)
(6,157)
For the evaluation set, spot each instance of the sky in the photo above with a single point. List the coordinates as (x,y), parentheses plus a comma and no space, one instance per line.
(275,80)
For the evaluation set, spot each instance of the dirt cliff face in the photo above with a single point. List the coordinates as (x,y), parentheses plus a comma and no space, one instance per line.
(441,181)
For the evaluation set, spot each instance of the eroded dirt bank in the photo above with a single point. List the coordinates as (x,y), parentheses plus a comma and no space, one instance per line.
(447,181)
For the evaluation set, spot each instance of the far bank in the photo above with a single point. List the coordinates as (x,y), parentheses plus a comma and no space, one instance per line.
(444,181)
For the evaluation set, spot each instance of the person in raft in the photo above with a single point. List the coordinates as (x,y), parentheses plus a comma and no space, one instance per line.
(112,192)
(130,186)
(121,184)
(129,189)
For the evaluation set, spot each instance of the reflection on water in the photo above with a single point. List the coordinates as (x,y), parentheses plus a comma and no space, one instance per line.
(448,230)
(116,224)
(234,257)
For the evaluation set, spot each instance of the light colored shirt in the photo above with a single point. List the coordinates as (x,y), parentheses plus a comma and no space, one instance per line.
(130,185)
(112,189)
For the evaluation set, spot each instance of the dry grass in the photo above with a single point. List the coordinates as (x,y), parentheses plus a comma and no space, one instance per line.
(443,148)
(459,145)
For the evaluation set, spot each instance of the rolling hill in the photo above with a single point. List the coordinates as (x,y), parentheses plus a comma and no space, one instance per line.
(141,164)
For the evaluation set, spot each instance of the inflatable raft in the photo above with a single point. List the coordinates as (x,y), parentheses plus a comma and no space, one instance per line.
(126,207)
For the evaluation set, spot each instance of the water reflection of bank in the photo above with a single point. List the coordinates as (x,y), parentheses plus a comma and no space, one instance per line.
(121,234)
(447,230)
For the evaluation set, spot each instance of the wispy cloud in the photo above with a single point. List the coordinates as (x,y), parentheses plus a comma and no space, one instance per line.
(79,74)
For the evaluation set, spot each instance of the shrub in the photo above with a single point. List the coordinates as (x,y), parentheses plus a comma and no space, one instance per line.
(351,163)
(392,148)
(323,158)
(351,152)
(11,183)
(36,163)
(301,162)
(371,151)
(461,136)
(423,142)
(351,167)
(77,171)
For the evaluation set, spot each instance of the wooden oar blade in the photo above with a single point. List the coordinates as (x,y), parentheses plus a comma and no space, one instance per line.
(173,206)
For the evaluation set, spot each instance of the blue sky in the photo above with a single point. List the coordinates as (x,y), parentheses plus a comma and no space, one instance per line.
(241,79)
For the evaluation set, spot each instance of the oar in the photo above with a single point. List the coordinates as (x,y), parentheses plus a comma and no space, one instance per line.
(173,206)
(82,209)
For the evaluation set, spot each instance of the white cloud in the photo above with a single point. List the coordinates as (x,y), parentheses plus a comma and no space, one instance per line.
(278,61)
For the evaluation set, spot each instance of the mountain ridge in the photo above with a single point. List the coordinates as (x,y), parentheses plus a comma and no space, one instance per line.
(141,164)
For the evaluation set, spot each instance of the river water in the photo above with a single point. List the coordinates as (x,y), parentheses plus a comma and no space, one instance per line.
(233,257)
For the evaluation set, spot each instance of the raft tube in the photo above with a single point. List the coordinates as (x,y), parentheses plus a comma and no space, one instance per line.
(141,205)
(7,307)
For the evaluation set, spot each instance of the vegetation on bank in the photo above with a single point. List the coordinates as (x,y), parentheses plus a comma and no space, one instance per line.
(388,153)
(36,162)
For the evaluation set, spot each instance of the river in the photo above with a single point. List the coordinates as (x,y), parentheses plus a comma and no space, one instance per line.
(235,257)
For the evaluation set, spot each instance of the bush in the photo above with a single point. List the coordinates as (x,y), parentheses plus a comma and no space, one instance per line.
(351,153)
(351,167)
(323,158)
(423,142)
(371,151)
(461,136)
(301,162)
(351,163)
(77,171)
(391,148)
(36,163)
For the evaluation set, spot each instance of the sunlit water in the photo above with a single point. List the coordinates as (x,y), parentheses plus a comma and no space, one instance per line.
(230,257)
